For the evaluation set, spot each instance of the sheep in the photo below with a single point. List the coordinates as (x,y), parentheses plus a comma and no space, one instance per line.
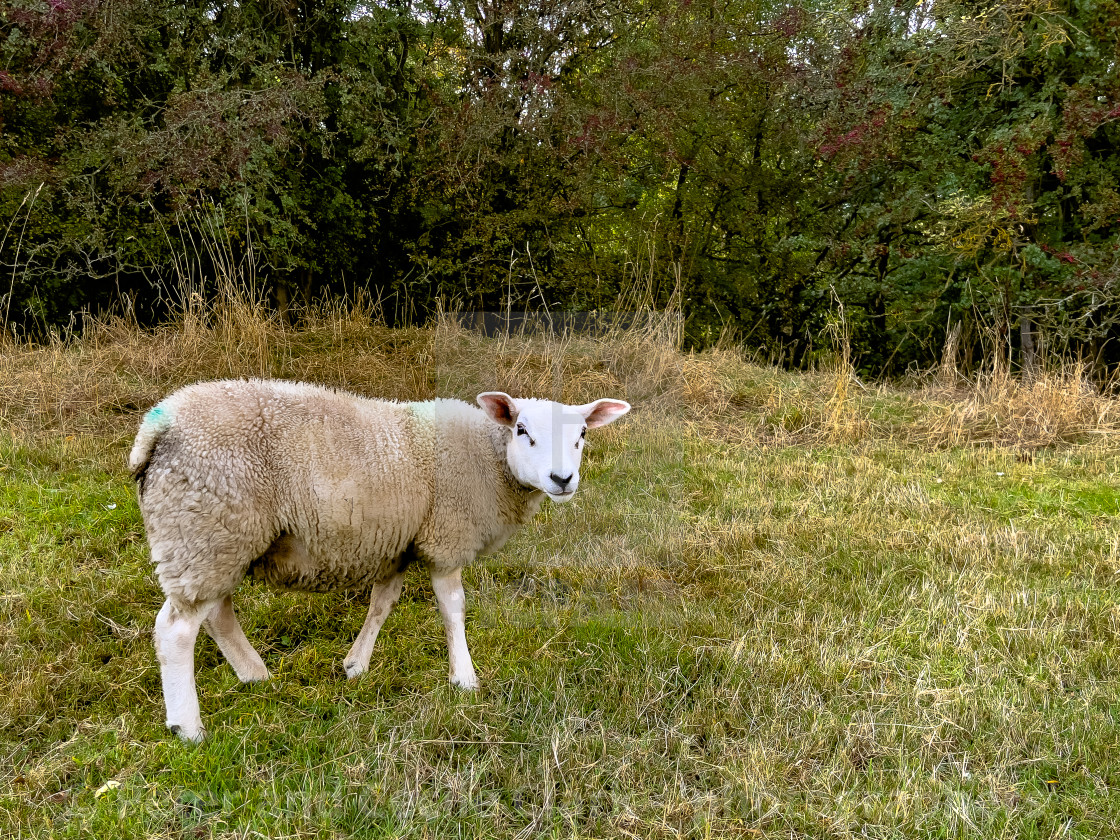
(318,490)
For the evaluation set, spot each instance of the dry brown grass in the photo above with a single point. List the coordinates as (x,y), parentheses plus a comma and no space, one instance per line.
(85,383)
(1059,405)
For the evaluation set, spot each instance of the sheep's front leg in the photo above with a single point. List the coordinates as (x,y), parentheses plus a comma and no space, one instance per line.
(175,633)
(448,587)
(381,601)
(224,628)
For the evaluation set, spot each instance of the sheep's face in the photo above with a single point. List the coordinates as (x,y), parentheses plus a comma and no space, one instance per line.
(546,446)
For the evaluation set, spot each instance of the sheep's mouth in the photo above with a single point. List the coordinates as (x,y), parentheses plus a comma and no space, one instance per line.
(562,496)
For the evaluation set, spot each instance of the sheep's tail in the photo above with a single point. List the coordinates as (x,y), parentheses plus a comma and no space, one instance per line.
(156,422)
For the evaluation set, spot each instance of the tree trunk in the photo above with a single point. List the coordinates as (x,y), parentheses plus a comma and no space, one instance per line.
(678,214)
(1028,349)
(283,299)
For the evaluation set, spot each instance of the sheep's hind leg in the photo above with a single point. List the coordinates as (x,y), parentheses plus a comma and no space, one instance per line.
(381,601)
(448,587)
(175,633)
(224,628)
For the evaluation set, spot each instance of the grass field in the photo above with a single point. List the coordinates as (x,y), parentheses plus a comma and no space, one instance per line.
(780,606)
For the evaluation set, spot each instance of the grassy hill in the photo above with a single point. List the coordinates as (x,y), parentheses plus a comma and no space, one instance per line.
(780,606)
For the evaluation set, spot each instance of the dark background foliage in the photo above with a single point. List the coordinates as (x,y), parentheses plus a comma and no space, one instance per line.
(930,166)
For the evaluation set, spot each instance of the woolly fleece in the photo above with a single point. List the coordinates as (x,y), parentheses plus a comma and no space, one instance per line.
(315,489)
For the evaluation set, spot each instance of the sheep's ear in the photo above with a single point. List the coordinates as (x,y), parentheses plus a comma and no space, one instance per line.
(499,407)
(602,412)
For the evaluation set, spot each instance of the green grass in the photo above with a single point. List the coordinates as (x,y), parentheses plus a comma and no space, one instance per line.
(722,636)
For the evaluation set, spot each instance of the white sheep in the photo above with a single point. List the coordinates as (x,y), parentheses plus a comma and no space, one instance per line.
(318,490)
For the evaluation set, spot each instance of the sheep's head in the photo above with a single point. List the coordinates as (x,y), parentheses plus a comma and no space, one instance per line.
(546,446)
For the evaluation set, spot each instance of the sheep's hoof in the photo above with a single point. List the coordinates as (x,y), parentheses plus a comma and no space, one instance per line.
(192,735)
(469,682)
(255,677)
(353,669)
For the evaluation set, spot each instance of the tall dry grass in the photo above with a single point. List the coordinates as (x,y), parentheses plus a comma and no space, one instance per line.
(84,380)
(99,378)
(1059,404)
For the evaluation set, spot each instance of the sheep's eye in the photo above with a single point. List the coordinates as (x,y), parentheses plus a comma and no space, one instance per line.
(521,431)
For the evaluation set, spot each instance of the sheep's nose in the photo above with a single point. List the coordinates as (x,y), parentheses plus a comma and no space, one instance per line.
(561,482)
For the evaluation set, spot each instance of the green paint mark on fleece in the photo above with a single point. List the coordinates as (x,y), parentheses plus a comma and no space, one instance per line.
(154,415)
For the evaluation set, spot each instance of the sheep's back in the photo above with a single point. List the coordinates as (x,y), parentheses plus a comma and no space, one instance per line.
(355,488)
